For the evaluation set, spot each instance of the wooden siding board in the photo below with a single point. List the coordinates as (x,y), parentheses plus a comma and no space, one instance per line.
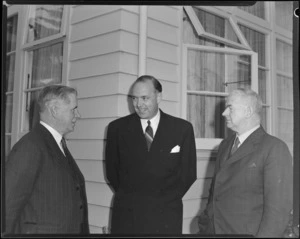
(90,128)
(169,107)
(95,26)
(162,51)
(95,66)
(130,21)
(98,107)
(129,42)
(163,70)
(87,149)
(96,86)
(128,63)
(134,9)
(165,14)
(160,31)
(86,12)
(99,194)
(96,45)
(170,90)
(99,216)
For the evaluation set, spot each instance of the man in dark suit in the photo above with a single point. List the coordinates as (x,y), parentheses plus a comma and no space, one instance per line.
(251,192)
(45,190)
(150,164)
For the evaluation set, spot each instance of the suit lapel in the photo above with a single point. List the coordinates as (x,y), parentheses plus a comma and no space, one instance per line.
(133,135)
(247,147)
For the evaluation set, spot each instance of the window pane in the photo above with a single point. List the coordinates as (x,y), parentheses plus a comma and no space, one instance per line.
(11,33)
(284,14)
(206,71)
(285,92)
(205,114)
(46,65)
(284,57)
(209,71)
(10,72)
(285,125)
(44,21)
(216,25)
(257,42)
(258,9)
(8,113)
(262,85)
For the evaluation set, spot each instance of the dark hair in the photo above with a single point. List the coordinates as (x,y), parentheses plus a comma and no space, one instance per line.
(154,81)
(51,92)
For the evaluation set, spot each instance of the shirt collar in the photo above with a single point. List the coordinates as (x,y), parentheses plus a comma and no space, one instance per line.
(154,122)
(57,136)
(245,135)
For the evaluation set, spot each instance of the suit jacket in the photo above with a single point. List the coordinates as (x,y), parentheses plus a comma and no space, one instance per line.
(251,191)
(44,194)
(149,186)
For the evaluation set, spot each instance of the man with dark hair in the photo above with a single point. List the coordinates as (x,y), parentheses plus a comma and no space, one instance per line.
(150,164)
(251,192)
(45,190)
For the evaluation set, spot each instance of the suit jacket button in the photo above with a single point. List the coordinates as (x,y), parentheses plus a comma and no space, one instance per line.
(77,187)
(81,206)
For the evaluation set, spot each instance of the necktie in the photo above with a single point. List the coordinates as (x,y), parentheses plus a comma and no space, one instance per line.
(149,134)
(64,145)
(65,148)
(235,145)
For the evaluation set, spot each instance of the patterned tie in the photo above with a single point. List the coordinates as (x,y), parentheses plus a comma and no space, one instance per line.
(149,134)
(235,145)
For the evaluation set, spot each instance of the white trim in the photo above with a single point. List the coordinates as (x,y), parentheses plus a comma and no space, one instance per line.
(201,31)
(142,40)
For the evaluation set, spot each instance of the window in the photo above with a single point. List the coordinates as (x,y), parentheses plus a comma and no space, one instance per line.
(284,14)
(10,77)
(44,47)
(212,68)
(258,9)
(284,91)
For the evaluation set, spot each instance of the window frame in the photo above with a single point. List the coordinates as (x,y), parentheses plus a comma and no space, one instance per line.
(201,32)
(38,44)
(212,143)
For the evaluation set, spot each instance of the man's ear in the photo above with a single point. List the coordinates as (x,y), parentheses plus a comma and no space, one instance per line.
(249,111)
(52,108)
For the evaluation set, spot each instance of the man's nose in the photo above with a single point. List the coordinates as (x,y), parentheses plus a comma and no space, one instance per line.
(225,112)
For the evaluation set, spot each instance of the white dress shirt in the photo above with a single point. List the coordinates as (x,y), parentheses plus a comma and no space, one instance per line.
(57,136)
(245,135)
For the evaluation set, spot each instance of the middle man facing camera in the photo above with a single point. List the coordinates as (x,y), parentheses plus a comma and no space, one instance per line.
(150,164)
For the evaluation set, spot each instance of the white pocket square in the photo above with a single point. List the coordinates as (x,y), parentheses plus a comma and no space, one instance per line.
(176,149)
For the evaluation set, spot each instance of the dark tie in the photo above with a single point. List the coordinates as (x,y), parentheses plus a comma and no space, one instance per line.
(149,134)
(235,145)
(67,152)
